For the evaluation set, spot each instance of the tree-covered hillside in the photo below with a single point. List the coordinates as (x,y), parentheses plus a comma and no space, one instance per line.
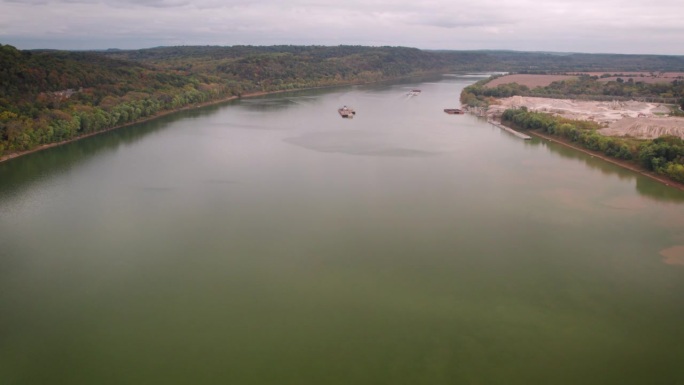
(50,96)
(541,62)
(284,67)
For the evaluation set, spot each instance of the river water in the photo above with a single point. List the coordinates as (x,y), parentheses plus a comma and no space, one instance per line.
(269,241)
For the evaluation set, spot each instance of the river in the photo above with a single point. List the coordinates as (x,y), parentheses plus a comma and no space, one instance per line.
(269,241)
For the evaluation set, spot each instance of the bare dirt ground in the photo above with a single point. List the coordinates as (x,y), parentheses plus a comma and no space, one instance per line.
(636,119)
(531,81)
(646,128)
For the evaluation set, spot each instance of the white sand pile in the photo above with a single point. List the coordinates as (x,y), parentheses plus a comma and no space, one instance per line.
(645,128)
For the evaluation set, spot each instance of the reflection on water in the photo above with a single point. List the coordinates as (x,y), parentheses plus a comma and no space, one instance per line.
(626,203)
(647,187)
(267,104)
(16,173)
(658,191)
(606,168)
(354,142)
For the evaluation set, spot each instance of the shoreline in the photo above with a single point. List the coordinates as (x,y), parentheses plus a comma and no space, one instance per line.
(624,164)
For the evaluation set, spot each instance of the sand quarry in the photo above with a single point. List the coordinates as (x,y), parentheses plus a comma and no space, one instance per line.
(636,119)
(619,118)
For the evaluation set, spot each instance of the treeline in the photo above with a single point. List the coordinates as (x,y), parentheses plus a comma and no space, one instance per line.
(632,87)
(285,67)
(549,62)
(664,155)
(206,58)
(584,86)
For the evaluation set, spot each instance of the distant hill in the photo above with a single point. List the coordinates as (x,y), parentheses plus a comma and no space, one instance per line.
(483,60)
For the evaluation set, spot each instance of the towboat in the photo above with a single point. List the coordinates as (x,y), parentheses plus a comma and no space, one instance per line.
(346,112)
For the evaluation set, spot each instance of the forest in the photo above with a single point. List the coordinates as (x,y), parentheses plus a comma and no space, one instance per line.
(49,96)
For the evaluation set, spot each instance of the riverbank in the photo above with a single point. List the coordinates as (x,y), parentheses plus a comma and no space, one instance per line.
(622,163)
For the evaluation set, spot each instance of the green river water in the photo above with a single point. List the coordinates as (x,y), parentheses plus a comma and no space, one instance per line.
(269,241)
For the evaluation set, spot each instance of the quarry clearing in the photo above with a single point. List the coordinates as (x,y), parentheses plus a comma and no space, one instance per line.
(529,80)
(618,118)
(641,120)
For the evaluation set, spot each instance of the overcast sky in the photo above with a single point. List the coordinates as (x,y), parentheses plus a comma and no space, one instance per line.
(611,26)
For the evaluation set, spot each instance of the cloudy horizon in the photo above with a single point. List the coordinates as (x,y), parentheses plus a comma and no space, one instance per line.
(601,26)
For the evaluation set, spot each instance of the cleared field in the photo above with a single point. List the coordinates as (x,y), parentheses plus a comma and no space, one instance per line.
(531,81)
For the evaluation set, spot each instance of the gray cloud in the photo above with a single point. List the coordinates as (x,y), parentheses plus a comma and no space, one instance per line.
(627,26)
